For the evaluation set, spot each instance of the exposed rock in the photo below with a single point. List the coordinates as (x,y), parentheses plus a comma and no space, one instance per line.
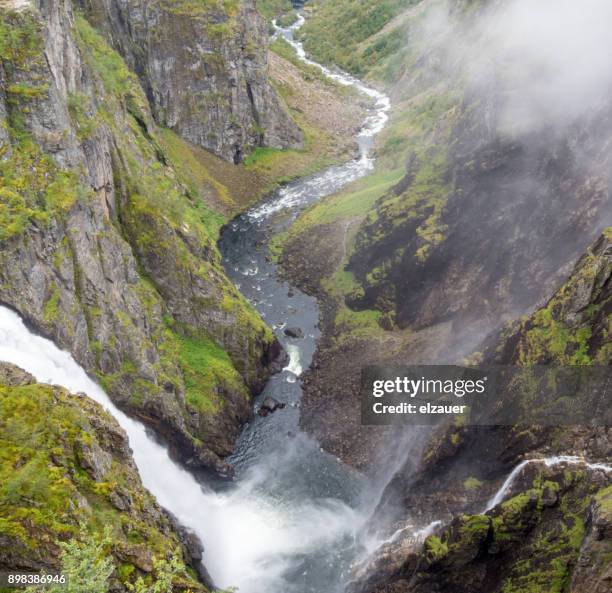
(521,545)
(269,406)
(294,332)
(95,460)
(13,375)
(204,69)
(121,269)
(482,457)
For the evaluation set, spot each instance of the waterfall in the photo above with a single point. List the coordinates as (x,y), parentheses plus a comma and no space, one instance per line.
(506,487)
(293,519)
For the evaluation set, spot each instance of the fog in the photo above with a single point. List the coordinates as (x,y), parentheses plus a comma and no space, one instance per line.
(549,61)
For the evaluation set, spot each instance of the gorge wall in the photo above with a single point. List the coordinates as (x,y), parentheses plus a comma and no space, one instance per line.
(490,203)
(204,69)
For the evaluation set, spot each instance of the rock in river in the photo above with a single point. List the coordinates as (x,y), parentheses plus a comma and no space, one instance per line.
(269,405)
(294,332)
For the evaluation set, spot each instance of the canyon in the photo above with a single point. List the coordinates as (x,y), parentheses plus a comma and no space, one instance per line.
(201,211)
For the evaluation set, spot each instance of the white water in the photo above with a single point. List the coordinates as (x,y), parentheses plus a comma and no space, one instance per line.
(334,177)
(506,487)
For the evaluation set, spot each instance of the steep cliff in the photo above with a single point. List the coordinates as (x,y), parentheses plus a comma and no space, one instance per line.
(553,529)
(106,248)
(481,207)
(67,473)
(204,69)
(480,203)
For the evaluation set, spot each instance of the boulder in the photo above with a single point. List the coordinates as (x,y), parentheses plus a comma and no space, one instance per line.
(294,332)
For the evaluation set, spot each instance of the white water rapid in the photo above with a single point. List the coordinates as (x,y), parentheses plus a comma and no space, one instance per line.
(238,530)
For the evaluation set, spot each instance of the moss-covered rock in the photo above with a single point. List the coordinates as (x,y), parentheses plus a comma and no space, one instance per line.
(67,472)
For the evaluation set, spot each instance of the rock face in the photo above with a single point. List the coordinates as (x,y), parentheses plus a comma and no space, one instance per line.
(103,247)
(544,535)
(75,466)
(552,517)
(493,250)
(204,69)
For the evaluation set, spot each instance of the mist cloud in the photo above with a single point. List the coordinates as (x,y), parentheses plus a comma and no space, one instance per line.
(550,60)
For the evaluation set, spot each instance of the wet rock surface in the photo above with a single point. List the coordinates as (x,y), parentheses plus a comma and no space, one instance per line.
(270,405)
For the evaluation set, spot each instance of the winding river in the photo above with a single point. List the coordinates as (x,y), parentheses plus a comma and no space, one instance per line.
(292,520)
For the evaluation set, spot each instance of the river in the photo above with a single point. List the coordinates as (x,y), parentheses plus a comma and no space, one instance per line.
(292,520)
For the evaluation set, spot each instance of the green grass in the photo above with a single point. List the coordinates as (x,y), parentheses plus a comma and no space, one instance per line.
(206,367)
(274,8)
(105,62)
(354,202)
(435,548)
(34,189)
(338,30)
(262,157)
(472,483)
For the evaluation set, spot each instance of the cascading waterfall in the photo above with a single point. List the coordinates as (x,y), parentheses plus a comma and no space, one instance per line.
(506,487)
(240,532)
(293,522)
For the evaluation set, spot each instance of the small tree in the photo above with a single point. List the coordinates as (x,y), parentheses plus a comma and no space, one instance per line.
(86,564)
(165,572)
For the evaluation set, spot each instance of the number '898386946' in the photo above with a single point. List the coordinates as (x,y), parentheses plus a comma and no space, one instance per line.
(26,579)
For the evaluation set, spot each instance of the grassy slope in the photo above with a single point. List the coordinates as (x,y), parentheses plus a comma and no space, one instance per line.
(342,32)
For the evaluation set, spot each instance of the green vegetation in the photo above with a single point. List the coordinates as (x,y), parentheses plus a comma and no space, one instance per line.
(352,203)
(553,545)
(166,216)
(20,40)
(105,62)
(50,497)
(472,483)
(34,189)
(218,15)
(272,9)
(51,306)
(549,336)
(206,368)
(85,563)
(396,199)
(339,32)
(308,71)
(435,548)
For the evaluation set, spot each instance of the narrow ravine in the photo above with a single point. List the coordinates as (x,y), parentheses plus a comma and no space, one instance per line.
(293,520)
